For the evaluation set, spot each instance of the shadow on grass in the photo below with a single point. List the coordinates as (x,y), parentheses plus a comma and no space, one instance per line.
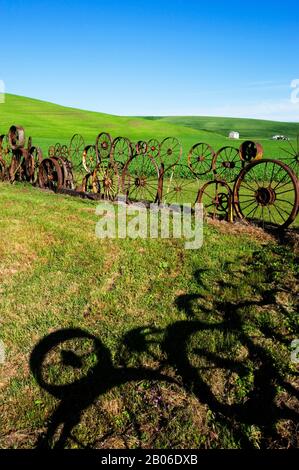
(221,330)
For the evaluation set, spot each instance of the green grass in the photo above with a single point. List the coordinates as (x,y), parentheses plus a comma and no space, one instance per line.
(197,343)
(49,123)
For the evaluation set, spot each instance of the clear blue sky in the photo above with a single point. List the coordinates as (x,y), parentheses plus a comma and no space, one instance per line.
(154,57)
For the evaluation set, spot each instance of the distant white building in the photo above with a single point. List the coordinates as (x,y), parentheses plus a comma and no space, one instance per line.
(234,135)
(279,137)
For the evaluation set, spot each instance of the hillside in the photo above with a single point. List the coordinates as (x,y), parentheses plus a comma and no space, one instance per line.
(49,123)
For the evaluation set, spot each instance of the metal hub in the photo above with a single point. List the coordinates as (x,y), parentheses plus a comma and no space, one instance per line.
(228,164)
(265,196)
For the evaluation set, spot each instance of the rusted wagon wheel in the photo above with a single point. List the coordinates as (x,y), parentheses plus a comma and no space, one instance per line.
(5,150)
(90,183)
(16,137)
(89,158)
(216,197)
(121,153)
(50,174)
(292,157)
(103,146)
(170,152)
(250,151)
(106,178)
(200,159)
(180,186)
(76,149)
(18,168)
(2,170)
(227,164)
(140,178)
(267,192)
(153,149)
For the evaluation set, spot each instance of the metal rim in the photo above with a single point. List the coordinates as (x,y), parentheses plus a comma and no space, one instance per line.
(89,158)
(216,197)
(170,152)
(267,191)
(50,174)
(227,164)
(250,151)
(140,178)
(107,178)
(200,158)
(103,146)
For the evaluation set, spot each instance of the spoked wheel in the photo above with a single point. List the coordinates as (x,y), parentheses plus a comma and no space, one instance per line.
(64,152)
(76,148)
(50,174)
(227,164)
(216,197)
(89,158)
(267,192)
(292,156)
(170,152)
(18,168)
(153,149)
(103,146)
(250,151)
(5,150)
(180,186)
(106,177)
(16,137)
(121,153)
(140,179)
(2,170)
(200,159)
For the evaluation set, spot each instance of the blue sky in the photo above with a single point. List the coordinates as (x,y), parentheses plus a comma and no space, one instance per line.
(154,57)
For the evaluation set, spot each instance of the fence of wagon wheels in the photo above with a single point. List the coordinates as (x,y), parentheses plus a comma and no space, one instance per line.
(231,182)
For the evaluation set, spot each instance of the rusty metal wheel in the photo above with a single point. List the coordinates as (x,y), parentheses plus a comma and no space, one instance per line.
(200,159)
(16,137)
(106,177)
(121,153)
(250,151)
(2,170)
(89,158)
(76,149)
(18,168)
(50,174)
(153,149)
(103,146)
(140,179)
(292,156)
(267,192)
(180,186)
(5,150)
(170,152)
(227,164)
(216,197)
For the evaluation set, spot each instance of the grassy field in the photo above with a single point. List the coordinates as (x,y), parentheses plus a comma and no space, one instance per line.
(175,348)
(140,343)
(49,123)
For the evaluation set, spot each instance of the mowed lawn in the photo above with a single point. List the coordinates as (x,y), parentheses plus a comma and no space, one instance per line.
(142,343)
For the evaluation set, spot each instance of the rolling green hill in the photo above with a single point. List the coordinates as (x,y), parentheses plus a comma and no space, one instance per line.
(49,123)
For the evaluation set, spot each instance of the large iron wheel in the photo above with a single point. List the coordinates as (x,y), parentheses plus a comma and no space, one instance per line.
(250,151)
(121,153)
(227,164)
(216,197)
(170,152)
(200,159)
(140,179)
(76,148)
(103,146)
(50,174)
(267,192)
(106,178)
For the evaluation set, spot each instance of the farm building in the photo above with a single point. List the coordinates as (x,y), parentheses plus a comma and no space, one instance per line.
(234,135)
